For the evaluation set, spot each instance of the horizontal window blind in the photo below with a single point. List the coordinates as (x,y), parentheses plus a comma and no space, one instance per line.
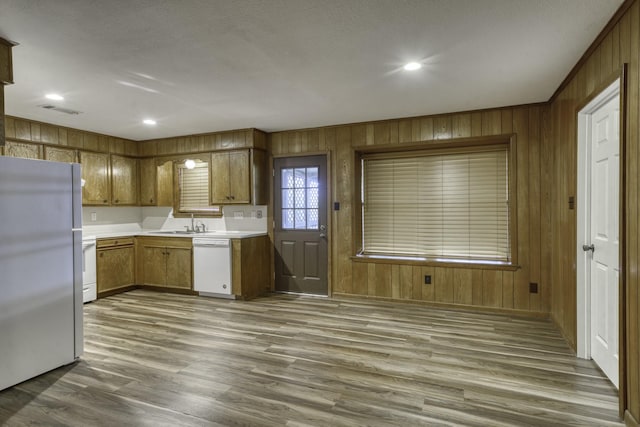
(194,189)
(451,205)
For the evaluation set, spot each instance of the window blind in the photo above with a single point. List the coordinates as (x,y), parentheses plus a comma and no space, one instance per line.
(194,189)
(450,206)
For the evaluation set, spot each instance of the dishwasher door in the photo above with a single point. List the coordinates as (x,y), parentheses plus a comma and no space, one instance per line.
(212,267)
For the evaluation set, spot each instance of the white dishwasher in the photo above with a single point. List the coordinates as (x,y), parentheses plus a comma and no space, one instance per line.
(212,267)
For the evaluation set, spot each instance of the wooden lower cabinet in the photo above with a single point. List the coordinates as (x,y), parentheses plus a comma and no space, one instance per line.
(165,262)
(250,266)
(115,265)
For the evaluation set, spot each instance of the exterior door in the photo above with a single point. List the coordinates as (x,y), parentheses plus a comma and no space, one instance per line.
(300,215)
(604,226)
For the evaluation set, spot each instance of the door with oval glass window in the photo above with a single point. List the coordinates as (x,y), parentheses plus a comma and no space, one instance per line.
(300,215)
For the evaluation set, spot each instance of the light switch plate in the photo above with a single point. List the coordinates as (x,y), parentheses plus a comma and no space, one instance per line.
(94,216)
(238,214)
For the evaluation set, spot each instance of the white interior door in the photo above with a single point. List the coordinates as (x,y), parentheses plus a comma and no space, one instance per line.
(604,262)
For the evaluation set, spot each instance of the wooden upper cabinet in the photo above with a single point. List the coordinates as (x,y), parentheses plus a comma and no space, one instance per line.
(2,125)
(55,154)
(156,182)
(124,180)
(6,77)
(164,183)
(230,177)
(95,172)
(239,177)
(23,150)
(148,186)
(6,62)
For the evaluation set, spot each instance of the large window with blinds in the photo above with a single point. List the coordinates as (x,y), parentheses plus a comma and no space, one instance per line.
(440,204)
(193,191)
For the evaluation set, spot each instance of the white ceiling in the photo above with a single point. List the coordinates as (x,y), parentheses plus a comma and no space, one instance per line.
(208,65)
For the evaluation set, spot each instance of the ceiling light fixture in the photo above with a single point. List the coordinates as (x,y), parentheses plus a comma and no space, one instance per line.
(54,97)
(149,122)
(412,66)
(189,164)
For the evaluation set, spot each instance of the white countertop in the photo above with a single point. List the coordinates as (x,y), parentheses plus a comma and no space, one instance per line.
(219,234)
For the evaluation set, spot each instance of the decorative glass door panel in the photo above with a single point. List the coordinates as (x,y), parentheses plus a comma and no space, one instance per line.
(300,198)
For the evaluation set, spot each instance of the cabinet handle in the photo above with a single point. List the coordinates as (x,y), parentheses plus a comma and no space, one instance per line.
(117,200)
(150,200)
(101,254)
(233,197)
(104,201)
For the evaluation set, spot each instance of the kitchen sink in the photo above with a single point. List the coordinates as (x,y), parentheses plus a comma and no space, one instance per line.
(207,233)
(174,232)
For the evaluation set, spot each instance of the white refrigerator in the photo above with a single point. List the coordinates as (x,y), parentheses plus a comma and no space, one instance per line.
(40,267)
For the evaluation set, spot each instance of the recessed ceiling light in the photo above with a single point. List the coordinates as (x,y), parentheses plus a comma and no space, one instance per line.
(149,122)
(412,66)
(54,97)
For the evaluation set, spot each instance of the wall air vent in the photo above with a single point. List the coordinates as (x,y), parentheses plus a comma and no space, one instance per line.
(59,109)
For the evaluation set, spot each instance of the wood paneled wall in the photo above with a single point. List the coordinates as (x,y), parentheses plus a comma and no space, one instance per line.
(477,287)
(620,45)
(24,130)
(243,138)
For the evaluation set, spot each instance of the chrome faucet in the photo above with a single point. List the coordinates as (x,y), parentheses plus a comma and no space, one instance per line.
(196,228)
(193,228)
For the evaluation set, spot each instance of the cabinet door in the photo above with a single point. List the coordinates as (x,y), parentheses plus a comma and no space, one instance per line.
(154,271)
(55,154)
(115,268)
(179,267)
(164,181)
(239,176)
(124,180)
(95,172)
(23,150)
(220,178)
(148,174)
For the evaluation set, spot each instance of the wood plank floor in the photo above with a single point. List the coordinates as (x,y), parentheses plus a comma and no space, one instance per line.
(155,359)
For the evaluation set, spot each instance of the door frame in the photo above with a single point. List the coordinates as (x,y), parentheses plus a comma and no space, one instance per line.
(271,217)
(616,85)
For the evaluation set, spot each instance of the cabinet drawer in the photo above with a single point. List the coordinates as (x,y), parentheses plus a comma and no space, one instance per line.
(109,243)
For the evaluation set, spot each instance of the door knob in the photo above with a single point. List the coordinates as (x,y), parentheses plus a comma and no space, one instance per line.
(589,248)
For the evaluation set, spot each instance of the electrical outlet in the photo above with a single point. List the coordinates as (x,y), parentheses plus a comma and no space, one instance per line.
(259,214)
(427,279)
(533,288)
(94,216)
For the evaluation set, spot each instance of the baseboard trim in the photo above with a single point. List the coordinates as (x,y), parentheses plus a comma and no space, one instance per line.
(629,420)
(461,307)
